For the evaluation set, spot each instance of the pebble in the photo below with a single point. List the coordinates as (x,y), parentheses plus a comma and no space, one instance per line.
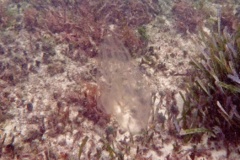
(29,107)
(30,133)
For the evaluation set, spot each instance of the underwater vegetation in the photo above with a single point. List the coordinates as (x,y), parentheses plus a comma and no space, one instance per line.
(70,80)
(212,99)
(190,16)
(80,25)
(187,18)
(83,24)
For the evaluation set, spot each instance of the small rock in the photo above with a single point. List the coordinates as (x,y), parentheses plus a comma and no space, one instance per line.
(179,101)
(73,115)
(45,58)
(29,107)
(8,140)
(62,140)
(37,63)
(2,51)
(31,132)
(55,68)
(60,128)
